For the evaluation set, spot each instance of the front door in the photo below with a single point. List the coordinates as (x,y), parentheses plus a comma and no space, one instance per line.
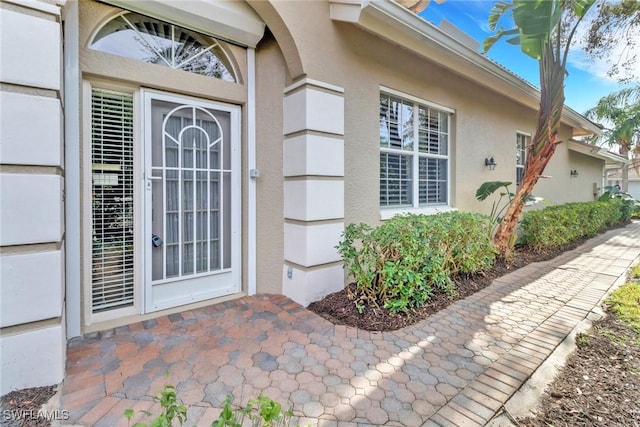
(192,200)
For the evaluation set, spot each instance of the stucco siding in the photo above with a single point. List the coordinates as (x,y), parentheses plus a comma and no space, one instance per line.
(270,200)
(32,358)
(484,123)
(32,334)
(634,189)
(560,187)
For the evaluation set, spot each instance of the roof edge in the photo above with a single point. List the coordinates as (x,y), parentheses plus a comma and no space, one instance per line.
(399,25)
(611,159)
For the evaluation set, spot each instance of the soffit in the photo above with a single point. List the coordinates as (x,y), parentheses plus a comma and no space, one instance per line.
(611,159)
(397,24)
(230,20)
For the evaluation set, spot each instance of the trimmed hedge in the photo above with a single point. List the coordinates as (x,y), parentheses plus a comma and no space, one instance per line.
(402,262)
(555,226)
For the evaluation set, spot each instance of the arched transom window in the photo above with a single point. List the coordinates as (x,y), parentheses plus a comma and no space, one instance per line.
(140,37)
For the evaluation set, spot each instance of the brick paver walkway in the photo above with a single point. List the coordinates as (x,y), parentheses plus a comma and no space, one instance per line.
(458,367)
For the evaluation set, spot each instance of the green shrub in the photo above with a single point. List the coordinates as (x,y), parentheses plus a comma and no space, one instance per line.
(259,412)
(401,263)
(558,225)
(625,303)
(172,408)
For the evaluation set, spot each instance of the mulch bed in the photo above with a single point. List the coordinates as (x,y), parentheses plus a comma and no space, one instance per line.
(20,407)
(600,385)
(339,309)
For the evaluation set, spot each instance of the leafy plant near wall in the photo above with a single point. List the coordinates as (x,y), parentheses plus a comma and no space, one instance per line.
(259,412)
(172,409)
(499,206)
(401,263)
(630,207)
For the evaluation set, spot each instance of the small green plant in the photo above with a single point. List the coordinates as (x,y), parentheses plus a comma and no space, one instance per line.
(624,302)
(611,336)
(499,206)
(582,339)
(261,412)
(172,409)
(635,271)
(228,417)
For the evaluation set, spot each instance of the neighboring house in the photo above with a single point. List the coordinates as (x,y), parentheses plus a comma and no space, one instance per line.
(164,155)
(614,177)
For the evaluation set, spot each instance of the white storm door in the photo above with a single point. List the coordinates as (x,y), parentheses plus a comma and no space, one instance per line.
(192,200)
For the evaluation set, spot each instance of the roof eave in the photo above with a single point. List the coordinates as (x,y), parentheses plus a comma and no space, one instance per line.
(611,160)
(399,25)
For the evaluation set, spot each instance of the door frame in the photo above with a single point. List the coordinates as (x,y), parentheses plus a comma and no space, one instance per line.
(147,96)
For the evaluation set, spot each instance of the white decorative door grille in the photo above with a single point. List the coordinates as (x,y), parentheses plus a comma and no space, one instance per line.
(192,191)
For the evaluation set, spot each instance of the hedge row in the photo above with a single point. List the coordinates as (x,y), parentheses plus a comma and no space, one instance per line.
(555,226)
(404,261)
(401,263)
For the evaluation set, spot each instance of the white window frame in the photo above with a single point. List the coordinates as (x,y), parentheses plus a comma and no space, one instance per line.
(527,141)
(391,211)
(90,317)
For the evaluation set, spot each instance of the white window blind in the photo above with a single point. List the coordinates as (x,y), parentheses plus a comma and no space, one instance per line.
(112,200)
(413,175)
(522,141)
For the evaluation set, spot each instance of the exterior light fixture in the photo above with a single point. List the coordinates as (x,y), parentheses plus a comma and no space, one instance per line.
(490,163)
(574,173)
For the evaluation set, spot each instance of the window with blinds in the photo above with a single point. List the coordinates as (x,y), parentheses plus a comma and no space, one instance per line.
(112,200)
(522,141)
(413,174)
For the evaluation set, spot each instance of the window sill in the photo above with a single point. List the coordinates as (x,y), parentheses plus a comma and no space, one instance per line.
(386,214)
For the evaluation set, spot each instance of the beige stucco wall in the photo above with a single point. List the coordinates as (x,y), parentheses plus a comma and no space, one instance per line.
(270,84)
(561,187)
(484,123)
(32,228)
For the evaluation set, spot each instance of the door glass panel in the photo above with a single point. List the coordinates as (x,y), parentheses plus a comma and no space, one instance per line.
(191,194)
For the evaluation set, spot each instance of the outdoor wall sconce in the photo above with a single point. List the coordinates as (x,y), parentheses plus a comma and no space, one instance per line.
(574,173)
(490,163)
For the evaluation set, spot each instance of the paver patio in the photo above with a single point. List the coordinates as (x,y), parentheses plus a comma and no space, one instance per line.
(458,367)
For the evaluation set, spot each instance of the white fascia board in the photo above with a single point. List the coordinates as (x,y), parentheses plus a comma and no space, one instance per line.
(399,25)
(234,21)
(612,160)
(40,5)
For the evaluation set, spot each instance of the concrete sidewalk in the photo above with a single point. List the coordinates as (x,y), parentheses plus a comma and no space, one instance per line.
(458,367)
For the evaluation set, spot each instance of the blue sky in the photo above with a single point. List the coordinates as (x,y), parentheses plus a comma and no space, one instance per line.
(584,86)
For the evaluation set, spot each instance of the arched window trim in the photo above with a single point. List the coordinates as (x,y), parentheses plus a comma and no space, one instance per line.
(209,44)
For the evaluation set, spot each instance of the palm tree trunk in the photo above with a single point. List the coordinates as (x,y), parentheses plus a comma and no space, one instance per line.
(624,152)
(503,239)
(541,150)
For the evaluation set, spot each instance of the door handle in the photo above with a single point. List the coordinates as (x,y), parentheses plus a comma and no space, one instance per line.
(156,241)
